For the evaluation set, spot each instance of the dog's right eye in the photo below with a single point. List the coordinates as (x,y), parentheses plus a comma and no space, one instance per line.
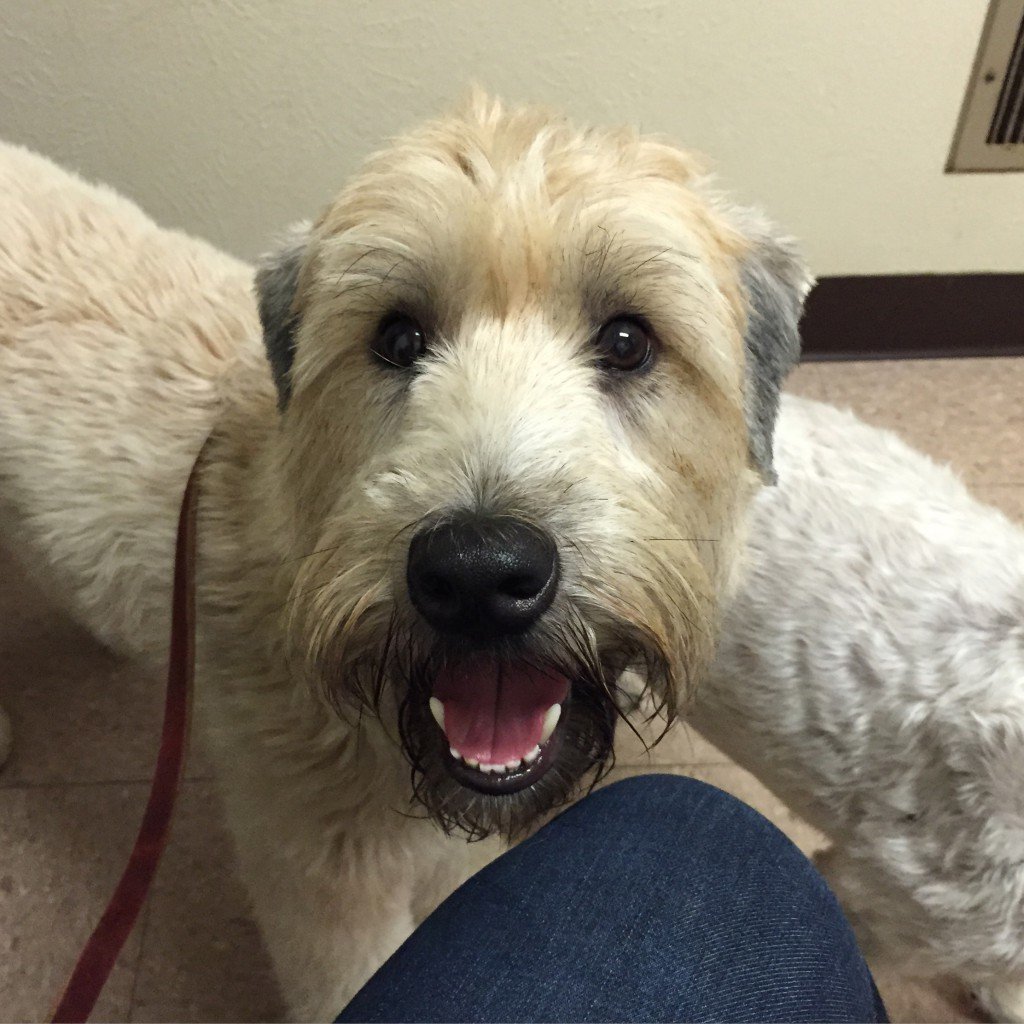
(400,341)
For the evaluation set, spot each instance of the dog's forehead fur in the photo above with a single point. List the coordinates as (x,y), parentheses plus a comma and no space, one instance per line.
(512,237)
(515,214)
(500,212)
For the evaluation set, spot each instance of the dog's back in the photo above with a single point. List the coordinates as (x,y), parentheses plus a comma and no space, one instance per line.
(113,334)
(871,671)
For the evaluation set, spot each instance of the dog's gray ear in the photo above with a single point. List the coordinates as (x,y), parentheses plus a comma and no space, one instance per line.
(277,278)
(776,282)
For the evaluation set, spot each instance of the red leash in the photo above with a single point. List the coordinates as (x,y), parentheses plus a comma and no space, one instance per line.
(97,957)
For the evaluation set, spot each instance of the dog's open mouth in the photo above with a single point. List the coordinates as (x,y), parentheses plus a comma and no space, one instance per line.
(500,721)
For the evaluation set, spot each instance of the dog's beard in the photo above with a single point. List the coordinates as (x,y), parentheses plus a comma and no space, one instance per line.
(403,661)
(362,649)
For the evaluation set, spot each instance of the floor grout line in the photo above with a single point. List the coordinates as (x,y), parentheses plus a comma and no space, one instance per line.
(72,784)
(86,783)
(674,764)
(143,927)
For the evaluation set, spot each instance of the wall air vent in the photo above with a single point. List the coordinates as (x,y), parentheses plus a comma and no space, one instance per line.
(990,134)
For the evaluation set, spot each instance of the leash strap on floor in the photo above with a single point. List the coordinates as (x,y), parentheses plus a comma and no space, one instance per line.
(109,936)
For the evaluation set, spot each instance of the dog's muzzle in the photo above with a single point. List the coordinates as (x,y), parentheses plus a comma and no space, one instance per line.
(477,580)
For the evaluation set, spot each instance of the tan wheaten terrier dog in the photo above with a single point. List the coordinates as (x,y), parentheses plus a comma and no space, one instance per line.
(478,491)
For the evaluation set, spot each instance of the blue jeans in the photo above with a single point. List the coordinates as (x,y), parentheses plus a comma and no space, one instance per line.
(658,898)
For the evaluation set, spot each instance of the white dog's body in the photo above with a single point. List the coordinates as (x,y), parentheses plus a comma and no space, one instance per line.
(871,671)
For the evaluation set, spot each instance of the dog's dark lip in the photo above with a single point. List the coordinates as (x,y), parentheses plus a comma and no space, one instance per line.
(493,784)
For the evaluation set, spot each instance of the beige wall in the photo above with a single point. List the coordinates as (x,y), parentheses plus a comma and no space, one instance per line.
(231,118)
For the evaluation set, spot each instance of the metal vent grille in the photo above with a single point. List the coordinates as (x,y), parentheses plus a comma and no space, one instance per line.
(990,135)
(1008,120)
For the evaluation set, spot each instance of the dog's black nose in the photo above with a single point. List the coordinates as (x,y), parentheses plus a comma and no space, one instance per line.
(482,576)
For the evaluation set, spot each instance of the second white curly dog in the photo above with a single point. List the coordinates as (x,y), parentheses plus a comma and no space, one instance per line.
(871,672)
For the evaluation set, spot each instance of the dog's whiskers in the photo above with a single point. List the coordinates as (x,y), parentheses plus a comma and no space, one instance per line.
(311,554)
(680,540)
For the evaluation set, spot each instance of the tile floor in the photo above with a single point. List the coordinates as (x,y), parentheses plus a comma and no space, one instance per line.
(86,728)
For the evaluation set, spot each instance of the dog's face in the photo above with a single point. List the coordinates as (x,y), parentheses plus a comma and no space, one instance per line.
(527,379)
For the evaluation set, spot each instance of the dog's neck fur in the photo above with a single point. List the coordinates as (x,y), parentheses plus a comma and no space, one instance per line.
(247,568)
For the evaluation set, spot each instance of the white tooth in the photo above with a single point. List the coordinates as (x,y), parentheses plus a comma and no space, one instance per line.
(550,721)
(511,766)
(531,756)
(498,769)
(437,710)
(455,753)
(472,762)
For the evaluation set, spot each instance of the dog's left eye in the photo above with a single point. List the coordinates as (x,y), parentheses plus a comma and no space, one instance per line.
(400,341)
(624,344)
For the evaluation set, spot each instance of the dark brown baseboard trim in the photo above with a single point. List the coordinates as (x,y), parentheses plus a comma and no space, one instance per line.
(915,316)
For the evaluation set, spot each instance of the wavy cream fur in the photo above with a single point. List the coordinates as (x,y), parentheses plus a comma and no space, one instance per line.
(870,669)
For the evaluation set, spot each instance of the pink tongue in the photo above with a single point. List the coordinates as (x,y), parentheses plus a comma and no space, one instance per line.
(494,712)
